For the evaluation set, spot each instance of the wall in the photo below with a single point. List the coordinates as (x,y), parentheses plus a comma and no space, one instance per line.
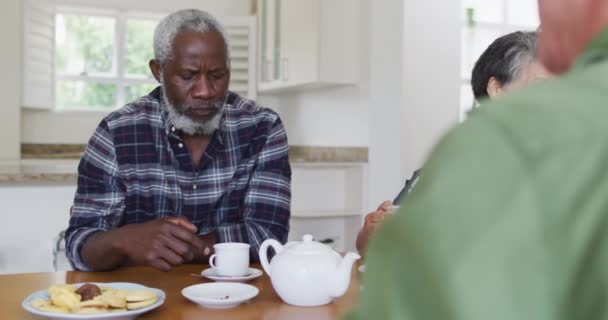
(330,117)
(386,108)
(10,83)
(431,70)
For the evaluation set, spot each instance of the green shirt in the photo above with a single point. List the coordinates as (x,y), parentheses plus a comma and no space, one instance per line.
(510,219)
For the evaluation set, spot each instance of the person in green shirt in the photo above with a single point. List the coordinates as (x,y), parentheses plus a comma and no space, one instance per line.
(510,219)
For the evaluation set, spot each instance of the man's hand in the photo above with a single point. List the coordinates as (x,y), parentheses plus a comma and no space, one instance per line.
(161,243)
(208,241)
(372,221)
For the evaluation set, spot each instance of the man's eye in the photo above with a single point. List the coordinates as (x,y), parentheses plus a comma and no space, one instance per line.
(187,76)
(217,75)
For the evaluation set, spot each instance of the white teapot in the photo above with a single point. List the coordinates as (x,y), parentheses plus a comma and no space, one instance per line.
(307,273)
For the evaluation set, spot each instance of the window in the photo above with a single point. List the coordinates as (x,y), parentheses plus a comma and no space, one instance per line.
(101,58)
(482,22)
(97,59)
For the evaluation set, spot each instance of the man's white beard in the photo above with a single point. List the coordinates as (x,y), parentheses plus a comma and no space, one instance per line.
(184,123)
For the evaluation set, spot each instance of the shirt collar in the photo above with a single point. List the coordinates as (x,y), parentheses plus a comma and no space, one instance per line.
(596,51)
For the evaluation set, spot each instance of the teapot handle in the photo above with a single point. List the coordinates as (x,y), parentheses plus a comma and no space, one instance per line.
(264,252)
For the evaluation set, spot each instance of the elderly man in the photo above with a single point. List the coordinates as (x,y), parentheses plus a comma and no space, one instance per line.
(510,218)
(189,165)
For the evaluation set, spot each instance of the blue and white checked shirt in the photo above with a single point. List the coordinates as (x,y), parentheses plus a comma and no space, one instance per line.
(137,169)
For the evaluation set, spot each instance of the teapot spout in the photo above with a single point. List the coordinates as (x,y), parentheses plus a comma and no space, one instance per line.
(340,279)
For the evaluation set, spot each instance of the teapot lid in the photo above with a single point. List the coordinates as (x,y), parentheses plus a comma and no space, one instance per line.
(309,246)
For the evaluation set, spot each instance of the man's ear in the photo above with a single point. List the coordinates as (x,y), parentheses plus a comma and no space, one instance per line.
(495,88)
(156,69)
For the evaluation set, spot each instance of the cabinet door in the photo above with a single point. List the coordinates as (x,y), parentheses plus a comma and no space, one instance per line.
(299,37)
(270,46)
(340,233)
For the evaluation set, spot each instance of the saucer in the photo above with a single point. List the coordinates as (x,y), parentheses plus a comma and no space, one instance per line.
(212,274)
(220,295)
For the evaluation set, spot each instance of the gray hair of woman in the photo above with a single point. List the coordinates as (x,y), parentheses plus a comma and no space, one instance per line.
(503,61)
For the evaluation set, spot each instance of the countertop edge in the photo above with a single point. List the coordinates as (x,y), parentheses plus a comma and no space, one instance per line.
(59,163)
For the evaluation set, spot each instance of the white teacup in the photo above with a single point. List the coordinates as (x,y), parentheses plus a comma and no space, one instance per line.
(231,259)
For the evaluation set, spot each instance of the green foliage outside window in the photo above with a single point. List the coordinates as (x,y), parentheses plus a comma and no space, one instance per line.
(85,46)
(77,94)
(139,49)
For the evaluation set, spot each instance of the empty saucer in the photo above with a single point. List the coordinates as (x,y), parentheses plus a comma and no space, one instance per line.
(220,295)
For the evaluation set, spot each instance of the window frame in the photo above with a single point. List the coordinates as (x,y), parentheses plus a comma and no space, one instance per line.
(117,75)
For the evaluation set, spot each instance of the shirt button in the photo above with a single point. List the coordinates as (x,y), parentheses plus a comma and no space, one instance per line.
(194,187)
(172,129)
(181,145)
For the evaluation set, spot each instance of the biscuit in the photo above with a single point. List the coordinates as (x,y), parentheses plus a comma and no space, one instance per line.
(113,300)
(91,310)
(64,298)
(98,302)
(140,295)
(141,304)
(39,302)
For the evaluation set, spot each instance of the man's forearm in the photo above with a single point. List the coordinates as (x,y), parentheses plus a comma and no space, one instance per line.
(101,252)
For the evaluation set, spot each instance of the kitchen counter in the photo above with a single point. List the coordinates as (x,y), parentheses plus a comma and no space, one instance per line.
(58,163)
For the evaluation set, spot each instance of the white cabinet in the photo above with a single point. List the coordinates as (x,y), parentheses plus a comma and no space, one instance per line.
(328,201)
(307,44)
(340,233)
(31,227)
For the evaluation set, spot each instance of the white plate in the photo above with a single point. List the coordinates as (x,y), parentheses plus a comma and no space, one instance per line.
(126,315)
(212,274)
(220,295)
(362,268)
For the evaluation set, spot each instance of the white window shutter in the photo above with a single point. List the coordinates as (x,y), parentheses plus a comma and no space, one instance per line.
(38,89)
(241,34)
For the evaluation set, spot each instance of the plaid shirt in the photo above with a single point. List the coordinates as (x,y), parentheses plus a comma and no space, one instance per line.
(136,169)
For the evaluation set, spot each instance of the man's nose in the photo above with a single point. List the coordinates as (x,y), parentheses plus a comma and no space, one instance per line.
(203,89)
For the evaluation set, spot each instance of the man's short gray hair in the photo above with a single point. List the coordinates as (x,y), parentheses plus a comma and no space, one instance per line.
(188,19)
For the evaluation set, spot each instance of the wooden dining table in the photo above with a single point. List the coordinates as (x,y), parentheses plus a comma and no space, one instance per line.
(267,305)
